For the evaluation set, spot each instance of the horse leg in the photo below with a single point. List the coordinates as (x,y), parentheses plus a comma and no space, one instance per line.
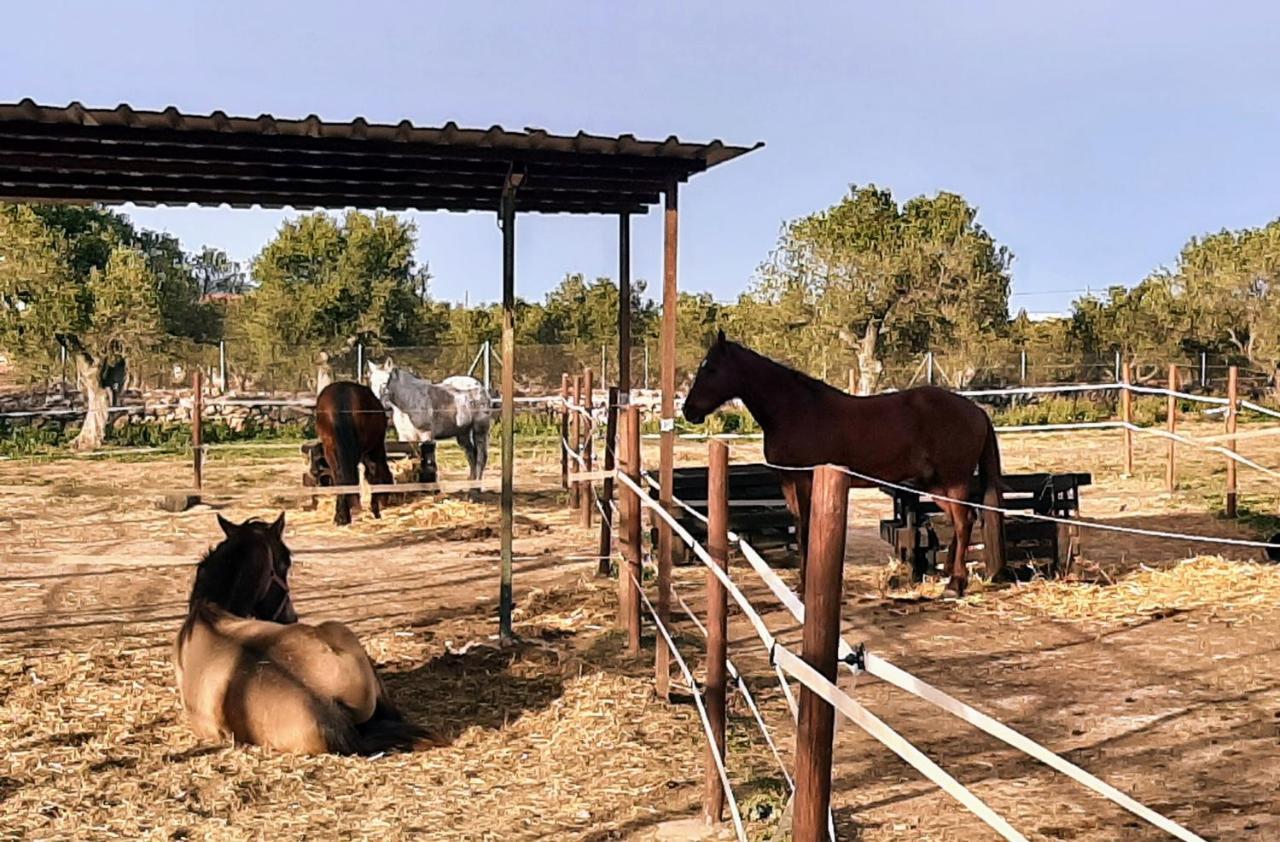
(962,526)
(480,435)
(378,472)
(342,502)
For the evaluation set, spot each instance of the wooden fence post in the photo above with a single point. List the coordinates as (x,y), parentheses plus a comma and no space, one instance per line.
(564,431)
(197,424)
(1126,411)
(853,381)
(628,590)
(717,625)
(575,438)
(1233,397)
(1171,467)
(606,496)
(824,575)
(588,488)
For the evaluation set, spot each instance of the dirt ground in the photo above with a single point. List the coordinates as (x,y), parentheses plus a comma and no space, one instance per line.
(1168,693)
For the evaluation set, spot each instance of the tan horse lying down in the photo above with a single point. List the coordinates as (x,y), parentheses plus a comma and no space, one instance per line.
(248,670)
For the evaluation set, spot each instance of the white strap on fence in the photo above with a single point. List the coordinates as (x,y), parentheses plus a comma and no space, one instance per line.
(1230,454)
(873,725)
(1042,390)
(443,486)
(886,671)
(745,692)
(1262,410)
(702,711)
(1174,393)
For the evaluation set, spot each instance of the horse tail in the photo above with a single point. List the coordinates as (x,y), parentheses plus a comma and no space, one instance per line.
(346,441)
(990,475)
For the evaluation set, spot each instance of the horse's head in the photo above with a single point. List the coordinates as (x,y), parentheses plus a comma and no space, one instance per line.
(716,382)
(248,573)
(380,378)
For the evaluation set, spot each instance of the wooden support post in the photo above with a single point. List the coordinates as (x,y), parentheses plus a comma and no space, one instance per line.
(1233,403)
(606,496)
(853,380)
(575,439)
(197,427)
(667,428)
(824,576)
(717,625)
(564,431)
(1126,412)
(506,596)
(587,507)
(1171,467)
(630,608)
(624,307)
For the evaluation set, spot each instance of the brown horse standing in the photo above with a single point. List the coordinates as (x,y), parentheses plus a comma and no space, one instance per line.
(352,425)
(927,438)
(247,669)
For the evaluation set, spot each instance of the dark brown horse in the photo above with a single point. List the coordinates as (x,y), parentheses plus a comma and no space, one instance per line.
(247,669)
(352,425)
(927,438)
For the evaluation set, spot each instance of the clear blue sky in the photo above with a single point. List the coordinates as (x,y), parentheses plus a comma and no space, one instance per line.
(1095,137)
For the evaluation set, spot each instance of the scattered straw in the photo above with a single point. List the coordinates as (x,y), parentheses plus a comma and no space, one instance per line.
(1204,582)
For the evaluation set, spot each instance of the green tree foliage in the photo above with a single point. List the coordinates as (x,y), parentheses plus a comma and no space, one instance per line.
(879,280)
(326,283)
(83,279)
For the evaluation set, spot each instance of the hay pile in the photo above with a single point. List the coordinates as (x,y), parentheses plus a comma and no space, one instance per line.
(560,738)
(1242,588)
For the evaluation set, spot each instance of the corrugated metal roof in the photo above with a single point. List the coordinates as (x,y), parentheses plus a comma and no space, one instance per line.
(73,153)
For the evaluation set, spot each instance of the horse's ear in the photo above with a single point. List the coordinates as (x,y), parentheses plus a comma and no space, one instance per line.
(228,528)
(277,528)
(720,340)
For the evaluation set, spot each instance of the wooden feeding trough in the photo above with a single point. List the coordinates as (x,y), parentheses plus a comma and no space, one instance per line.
(920,537)
(757,510)
(318,472)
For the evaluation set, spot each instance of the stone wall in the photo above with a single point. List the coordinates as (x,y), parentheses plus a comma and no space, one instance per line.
(237,414)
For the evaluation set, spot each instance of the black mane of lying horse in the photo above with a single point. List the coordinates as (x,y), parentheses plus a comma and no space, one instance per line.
(246,575)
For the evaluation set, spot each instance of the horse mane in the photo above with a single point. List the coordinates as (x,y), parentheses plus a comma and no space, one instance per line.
(813,384)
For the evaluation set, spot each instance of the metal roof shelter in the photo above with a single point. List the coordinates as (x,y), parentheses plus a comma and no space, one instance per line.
(77,154)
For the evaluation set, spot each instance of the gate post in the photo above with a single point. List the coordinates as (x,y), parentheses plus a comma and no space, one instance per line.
(824,576)
(586,489)
(564,431)
(1233,398)
(606,496)
(630,572)
(713,794)
(1171,467)
(1126,410)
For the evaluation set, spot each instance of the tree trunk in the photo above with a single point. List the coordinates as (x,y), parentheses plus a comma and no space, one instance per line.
(869,368)
(97,404)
